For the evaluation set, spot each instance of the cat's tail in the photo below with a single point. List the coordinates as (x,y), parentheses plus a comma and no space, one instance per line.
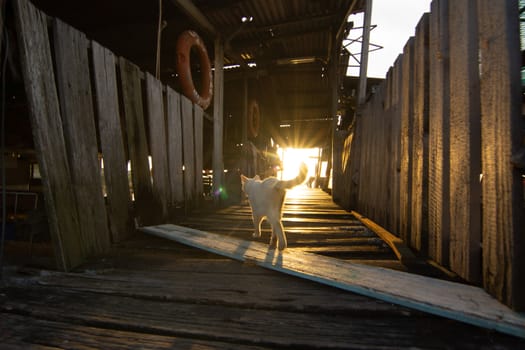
(303,171)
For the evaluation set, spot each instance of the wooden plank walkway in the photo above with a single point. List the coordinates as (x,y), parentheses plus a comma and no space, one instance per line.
(153,293)
(313,223)
(448,299)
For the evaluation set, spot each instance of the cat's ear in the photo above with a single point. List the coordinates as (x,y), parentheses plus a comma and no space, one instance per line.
(256,177)
(243,178)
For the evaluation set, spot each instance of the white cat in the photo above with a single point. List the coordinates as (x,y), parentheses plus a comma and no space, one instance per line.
(266,199)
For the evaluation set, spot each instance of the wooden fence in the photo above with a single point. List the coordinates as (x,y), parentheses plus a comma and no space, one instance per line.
(429,156)
(86,104)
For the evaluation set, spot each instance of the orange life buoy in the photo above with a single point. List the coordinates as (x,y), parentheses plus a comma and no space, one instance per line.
(185,42)
(253,119)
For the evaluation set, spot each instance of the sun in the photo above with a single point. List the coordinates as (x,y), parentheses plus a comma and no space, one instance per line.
(292,158)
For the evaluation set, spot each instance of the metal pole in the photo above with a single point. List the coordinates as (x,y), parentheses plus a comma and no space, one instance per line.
(364,53)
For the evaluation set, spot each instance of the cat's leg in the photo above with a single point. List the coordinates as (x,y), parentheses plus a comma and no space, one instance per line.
(257,220)
(273,240)
(278,233)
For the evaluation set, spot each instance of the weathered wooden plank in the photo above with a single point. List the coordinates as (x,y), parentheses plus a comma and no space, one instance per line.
(158,143)
(502,136)
(112,143)
(145,206)
(395,148)
(199,149)
(406,140)
(465,152)
(175,160)
(419,199)
(218,117)
(78,125)
(461,302)
(188,149)
(439,138)
(203,282)
(403,253)
(234,325)
(46,125)
(23,332)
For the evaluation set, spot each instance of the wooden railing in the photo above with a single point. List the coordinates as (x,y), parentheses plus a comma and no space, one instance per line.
(86,103)
(430,154)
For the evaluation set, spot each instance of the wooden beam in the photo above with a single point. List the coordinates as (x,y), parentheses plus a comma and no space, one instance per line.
(455,301)
(403,253)
(196,16)
(218,117)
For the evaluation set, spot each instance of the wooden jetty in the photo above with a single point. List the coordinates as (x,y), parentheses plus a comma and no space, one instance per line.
(153,293)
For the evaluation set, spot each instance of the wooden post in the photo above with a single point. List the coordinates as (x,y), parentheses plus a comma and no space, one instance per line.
(174,139)
(46,125)
(198,126)
(112,143)
(465,143)
(145,206)
(439,140)
(503,134)
(188,151)
(405,166)
(218,119)
(78,125)
(158,143)
(419,199)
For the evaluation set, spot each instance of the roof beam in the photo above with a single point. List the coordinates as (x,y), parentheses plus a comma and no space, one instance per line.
(196,16)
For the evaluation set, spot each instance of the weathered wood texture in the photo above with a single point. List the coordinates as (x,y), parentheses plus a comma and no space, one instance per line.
(78,125)
(46,125)
(439,139)
(419,163)
(152,293)
(188,137)
(448,117)
(145,206)
(175,159)
(155,294)
(503,134)
(158,143)
(454,300)
(198,126)
(111,143)
(465,142)
(407,121)
(76,97)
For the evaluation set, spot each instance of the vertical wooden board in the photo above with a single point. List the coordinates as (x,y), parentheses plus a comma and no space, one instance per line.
(112,143)
(199,154)
(419,201)
(465,167)
(157,142)
(439,134)
(145,206)
(406,127)
(188,149)
(78,121)
(175,160)
(218,117)
(46,125)
(354,165)
(503,135)
(395,145)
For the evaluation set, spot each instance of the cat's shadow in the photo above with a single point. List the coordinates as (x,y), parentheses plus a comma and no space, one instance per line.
(274,257)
